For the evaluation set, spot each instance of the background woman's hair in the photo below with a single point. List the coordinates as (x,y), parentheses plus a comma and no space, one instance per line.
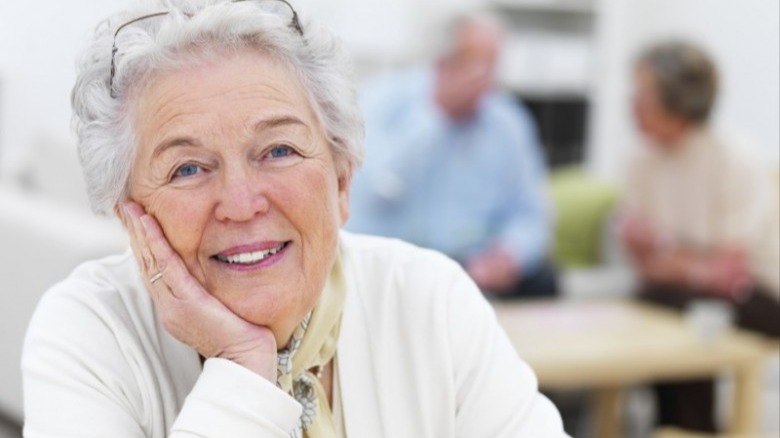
(194,31)
(686,76)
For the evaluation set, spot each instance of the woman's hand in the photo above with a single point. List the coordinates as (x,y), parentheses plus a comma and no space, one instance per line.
(187,310)
(726,273)
(637,235)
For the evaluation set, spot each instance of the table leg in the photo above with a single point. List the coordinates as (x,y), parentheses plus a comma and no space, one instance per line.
(747,394)
(608,413)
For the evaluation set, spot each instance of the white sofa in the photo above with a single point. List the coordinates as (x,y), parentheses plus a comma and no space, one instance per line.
(46,229)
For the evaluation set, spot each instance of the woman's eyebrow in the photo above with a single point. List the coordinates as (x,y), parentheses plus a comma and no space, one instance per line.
(173,142)
(262,125)
(276,121)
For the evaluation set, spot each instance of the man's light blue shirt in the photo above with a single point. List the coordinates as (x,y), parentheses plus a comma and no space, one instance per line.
(459,188)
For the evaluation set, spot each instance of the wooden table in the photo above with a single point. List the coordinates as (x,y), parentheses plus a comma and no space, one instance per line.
(677,433)
(609,345)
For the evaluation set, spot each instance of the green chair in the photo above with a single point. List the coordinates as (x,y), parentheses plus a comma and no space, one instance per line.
(583,205)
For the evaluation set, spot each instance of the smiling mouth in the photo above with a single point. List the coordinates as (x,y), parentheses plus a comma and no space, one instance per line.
(248,258)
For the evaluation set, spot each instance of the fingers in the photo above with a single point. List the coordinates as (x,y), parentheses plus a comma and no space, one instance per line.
(129,213)
(156,243)
(174,272)
(155,255)
(147,262)
(173,289)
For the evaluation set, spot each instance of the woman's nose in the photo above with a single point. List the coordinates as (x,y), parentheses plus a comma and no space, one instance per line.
(241,197)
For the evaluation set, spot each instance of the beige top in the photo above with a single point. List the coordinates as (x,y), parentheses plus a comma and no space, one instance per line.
(708,194)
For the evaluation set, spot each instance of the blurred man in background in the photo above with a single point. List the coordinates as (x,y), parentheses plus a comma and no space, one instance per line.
(453,164)
(701,216)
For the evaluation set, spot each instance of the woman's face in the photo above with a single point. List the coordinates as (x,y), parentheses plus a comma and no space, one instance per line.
(234,165)
(652,118)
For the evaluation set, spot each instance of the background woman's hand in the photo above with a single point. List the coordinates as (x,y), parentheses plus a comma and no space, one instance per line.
(638,236)
(188,311)
(726,272)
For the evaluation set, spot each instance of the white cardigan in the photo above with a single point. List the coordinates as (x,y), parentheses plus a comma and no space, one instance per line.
(420,355)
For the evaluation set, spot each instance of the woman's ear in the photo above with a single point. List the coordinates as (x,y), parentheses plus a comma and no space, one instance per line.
(344,182)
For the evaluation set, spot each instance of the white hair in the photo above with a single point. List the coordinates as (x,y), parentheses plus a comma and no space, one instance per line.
(193,30)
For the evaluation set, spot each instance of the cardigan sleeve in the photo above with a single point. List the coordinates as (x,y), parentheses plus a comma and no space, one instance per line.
(229,397)
(496,391)
(80,381)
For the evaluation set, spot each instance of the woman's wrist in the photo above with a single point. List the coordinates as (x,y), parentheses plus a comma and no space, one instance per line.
(261,363)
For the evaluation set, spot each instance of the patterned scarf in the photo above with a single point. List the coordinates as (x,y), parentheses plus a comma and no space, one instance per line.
(311,348)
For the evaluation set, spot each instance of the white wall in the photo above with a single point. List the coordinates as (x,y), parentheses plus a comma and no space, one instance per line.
(38,46)
(383,35)
(744,39)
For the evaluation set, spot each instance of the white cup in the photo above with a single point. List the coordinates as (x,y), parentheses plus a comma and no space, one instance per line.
(709,318)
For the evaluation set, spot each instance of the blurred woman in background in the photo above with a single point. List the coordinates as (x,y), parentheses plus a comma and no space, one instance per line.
(700,215)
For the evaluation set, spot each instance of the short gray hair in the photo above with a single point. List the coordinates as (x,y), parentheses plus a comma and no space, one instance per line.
(686,76)
(189,31)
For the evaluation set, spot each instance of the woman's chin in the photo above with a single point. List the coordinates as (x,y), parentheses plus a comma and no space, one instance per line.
(269,310)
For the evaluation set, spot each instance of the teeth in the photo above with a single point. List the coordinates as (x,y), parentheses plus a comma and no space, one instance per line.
(249,257)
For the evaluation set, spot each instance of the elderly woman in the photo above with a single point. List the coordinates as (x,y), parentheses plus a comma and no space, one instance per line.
(701,218)
(224,135)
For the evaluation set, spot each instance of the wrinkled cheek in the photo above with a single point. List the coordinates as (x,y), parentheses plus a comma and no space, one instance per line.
(323,241)
(329,241)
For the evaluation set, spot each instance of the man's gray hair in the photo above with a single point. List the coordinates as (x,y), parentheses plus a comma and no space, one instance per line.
(192,31)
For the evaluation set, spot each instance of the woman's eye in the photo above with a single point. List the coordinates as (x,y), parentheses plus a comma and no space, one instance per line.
(187,170)
(280,152)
